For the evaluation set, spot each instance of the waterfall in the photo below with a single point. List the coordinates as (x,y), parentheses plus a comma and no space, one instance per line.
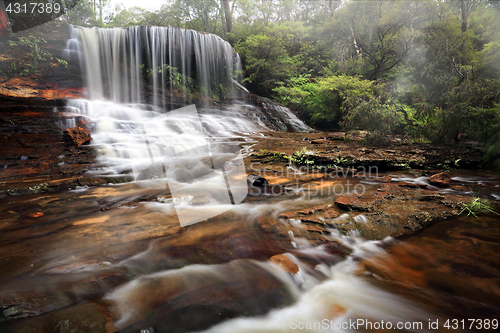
(139,64)
(136,76)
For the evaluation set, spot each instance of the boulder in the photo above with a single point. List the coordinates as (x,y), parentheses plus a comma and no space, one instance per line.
(440,179)
(76,136)
(257,181)
(285,263)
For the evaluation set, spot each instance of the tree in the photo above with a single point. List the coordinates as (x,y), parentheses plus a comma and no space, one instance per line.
(129,17)
(198,14)
(466,7)
(228,15)
(333,97)
(268,62)
(373,37)
(81,14)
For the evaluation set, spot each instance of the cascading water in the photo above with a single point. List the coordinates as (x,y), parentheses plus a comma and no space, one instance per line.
(138,64)
(124,245)
(135,75)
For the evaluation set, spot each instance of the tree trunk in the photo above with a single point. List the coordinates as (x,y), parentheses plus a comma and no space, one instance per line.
(227,13)
(465,15)
(222,16)
(100,10)
(356,47)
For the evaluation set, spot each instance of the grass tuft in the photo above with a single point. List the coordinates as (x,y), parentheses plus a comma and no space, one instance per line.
(477,206)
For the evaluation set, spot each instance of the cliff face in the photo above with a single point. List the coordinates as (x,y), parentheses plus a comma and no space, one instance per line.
(34,64)
(35,78)
(33,156)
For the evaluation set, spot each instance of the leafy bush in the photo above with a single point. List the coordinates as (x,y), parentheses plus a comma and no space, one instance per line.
(492,148)
(267,62)
(327,100)
(333,97)
(276,56)
(292,94)
(468,108)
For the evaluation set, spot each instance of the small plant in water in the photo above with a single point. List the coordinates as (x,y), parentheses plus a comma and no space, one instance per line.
(477,206)
(300,157)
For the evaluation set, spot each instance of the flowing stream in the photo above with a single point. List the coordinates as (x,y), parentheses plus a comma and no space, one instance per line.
(135,77)
(215,276)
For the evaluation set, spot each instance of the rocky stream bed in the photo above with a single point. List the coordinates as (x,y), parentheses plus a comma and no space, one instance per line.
(332,228)
(70,237)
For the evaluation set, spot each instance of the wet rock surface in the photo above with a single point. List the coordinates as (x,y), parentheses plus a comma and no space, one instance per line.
(92,252)
(285,263)
(33,154)
(62,252)
(348,149)
(83,318)
(392,209)
(51,76)
(399,208)
(29,88)
(455,263)
(88,244)
(234,290)
(76,136)
(440,179)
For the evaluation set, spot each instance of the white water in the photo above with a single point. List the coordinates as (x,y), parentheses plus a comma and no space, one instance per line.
(137,64)
(136,75)
(126,111)
(345,296)
(128,135)
(320,306)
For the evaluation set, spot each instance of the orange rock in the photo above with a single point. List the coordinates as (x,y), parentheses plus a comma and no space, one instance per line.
(362,203)
(330,213)
(440,179)
(26,87)
(383,179)
(76,136)
(336,311)
(312,210)
(410,185)
(61,93)
(312,220)
(285,263)
(319,141)
(287,215)
(37,214)
(313,228)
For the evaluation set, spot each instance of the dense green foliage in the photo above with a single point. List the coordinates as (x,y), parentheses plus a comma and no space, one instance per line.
(429,70)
